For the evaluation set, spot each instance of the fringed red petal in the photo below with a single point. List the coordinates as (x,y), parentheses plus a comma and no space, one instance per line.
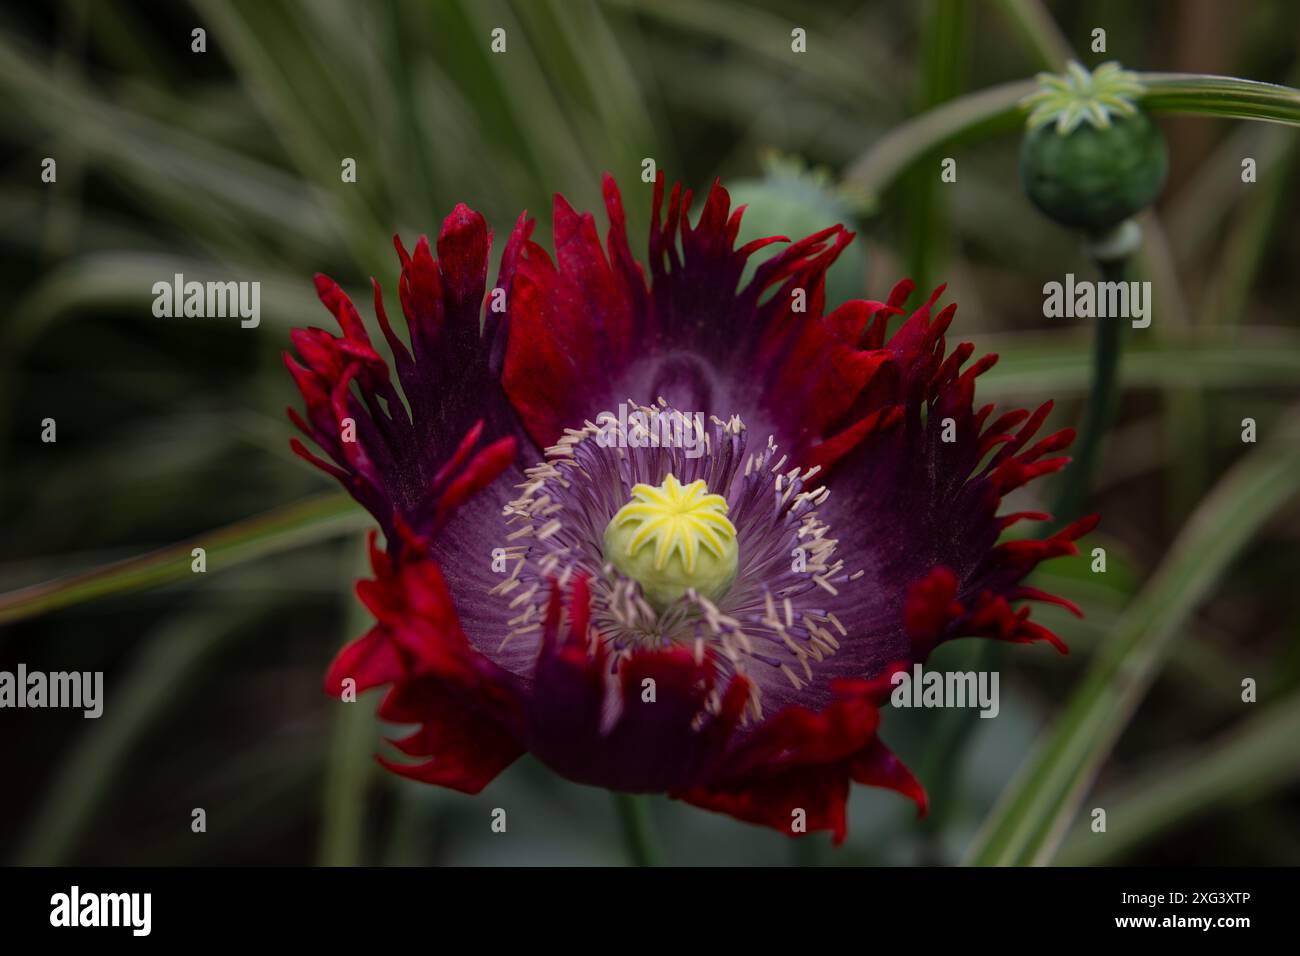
(792,772)
(380,443)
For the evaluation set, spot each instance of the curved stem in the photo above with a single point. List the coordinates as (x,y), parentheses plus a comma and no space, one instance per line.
(997,109)
(942,762)
(1201,94)
(1102,399)
(635,823)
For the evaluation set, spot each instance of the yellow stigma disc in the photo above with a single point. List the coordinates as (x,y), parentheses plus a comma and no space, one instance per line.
(673,537)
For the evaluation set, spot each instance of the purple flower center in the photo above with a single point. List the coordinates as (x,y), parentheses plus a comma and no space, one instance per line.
(773,623)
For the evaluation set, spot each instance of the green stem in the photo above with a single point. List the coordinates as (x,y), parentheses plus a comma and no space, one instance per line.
(349,769)
(1200,94)
(634,821)
(941,770)
(1100,409)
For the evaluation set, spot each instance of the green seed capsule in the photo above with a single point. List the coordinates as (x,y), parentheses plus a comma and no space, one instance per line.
(1091,158)
(791,200)
(1093,178)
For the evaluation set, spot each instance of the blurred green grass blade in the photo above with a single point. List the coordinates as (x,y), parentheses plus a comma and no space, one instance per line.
(1043,364)
(291,89)
(540,122)
(1040,32)
(350,766)
(63,222)
(1200,208)
(193,179)
(942,50)
(125,280)
(1029,820)
(925,227)
(164,665)
(303,522)
(1256,757)
(21,205)
(121,39)
(398,43)
(622,132)
(1205,95)
(1251,238)
(1187,435)
(1186,415)
(1199,213)
(834,63)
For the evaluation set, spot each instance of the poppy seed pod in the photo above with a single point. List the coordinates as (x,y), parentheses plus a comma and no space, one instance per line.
(789,199)
(1091,158)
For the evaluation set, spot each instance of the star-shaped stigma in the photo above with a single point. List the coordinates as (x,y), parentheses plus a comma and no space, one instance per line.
(1071,98)
(675,519)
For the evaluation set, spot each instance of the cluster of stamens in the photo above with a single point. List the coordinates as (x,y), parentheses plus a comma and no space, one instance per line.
(720,551)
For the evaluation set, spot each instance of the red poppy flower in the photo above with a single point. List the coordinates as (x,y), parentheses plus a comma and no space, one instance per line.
(704,593)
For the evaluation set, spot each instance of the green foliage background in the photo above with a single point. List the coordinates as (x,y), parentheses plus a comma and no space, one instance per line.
(226,164)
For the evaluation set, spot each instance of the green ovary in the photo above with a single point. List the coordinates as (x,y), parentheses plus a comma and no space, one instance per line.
(672,537)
